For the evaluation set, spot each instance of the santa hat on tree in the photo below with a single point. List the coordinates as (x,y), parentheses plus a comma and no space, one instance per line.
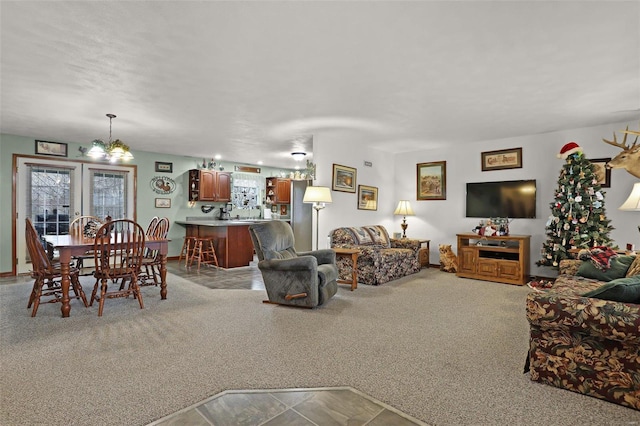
(568,149)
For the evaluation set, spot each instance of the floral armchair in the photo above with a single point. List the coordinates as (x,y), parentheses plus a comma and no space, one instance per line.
(381,259)
(583,343)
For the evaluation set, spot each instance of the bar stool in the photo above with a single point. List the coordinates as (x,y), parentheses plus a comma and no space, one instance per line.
(187,250)
(204,250)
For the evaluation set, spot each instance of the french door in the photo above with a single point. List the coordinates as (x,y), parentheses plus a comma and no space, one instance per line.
(53,193)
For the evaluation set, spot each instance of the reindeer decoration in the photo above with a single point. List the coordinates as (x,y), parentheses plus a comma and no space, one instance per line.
(629,158)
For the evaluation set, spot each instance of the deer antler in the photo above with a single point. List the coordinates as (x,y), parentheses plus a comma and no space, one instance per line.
(622,145)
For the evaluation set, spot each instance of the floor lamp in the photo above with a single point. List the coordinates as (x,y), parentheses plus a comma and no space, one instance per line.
(319,196)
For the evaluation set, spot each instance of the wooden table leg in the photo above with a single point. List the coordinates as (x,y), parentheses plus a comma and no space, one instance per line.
(65,259)
(163,276)
(354,271)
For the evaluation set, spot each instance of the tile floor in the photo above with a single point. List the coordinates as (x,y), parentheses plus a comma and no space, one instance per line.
(280,407)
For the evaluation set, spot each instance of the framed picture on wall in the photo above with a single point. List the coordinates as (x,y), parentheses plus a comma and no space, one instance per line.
(431,181)
(164,167)
(56,149)
(367,197)
(603,175)
(501,160)
(344,178)
(163,203)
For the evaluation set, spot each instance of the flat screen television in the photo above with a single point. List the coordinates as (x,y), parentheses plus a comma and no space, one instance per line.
(512,199)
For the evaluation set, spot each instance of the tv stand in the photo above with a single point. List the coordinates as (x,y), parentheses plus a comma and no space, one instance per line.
(503,259)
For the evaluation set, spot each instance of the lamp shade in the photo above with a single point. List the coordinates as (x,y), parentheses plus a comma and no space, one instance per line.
(404,209)
(317,194)
(633,202)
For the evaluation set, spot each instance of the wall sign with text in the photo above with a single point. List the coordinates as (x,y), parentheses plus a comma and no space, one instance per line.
(163,185)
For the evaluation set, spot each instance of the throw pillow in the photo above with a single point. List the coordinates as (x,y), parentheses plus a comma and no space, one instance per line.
(634,269)
(626,290)
(618,269)
(361,237)
(377,235)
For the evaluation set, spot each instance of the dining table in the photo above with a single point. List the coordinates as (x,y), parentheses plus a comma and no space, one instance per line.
(73,245)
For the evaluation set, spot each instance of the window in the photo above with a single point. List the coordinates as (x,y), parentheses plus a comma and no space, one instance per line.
(51,190)
(108,193)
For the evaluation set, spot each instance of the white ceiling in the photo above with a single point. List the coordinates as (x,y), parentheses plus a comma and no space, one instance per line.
(256,80)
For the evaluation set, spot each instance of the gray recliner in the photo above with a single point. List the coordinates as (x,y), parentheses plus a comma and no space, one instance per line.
(305,279)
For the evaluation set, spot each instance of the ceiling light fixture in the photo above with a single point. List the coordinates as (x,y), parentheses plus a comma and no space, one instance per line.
(298,156)
(112,151)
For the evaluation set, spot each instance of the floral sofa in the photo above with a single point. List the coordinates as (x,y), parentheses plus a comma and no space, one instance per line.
(381,259)
(582,342)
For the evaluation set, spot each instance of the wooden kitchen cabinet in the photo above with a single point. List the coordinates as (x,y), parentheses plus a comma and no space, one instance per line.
(209,185)
(278,190)
(223,187)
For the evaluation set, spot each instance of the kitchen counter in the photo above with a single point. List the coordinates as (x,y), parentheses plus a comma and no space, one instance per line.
(231,238)
(218,222)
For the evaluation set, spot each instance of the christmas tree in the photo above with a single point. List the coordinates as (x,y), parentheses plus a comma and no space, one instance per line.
(578,218)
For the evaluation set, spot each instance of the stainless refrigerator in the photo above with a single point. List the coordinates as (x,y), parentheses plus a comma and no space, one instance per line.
(301,216)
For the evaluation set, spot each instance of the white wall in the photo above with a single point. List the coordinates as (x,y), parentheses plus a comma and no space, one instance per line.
(441,220)
(349,149)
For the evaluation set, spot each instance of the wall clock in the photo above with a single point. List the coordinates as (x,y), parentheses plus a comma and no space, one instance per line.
(163,185)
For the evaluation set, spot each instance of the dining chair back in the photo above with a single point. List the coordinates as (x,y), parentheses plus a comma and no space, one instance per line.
(47,286)
(150,271)
(152,225)
(118,252)
(84,226)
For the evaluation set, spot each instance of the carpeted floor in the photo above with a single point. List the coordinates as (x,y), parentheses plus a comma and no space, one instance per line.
(442,349)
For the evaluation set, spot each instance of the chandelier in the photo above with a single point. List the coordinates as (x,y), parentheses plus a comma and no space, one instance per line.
(112,151)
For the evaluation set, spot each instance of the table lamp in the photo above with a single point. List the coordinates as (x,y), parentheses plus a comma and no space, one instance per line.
(319,196)
(404,209)
(633,202)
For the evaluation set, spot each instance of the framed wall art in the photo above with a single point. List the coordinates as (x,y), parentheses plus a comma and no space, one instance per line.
(602,173)
(367,197)
(432,181)
(502,159)
(163,167)
(56,149)
(344,178)
(163,203)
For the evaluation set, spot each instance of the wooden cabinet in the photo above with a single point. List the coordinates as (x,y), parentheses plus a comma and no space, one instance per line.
(278,190)
(232,243)
(502,259)
(223,187)
(209,185)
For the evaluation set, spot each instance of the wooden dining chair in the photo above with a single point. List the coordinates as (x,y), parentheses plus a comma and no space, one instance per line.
(150,270)
(47,287)
(152,225)
(86,226)
(118,252)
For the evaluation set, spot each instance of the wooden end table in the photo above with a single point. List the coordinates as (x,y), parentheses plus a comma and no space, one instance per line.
(345,252)
(424,247)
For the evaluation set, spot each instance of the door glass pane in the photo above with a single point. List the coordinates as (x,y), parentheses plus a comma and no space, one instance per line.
(50,200)
(109,194)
